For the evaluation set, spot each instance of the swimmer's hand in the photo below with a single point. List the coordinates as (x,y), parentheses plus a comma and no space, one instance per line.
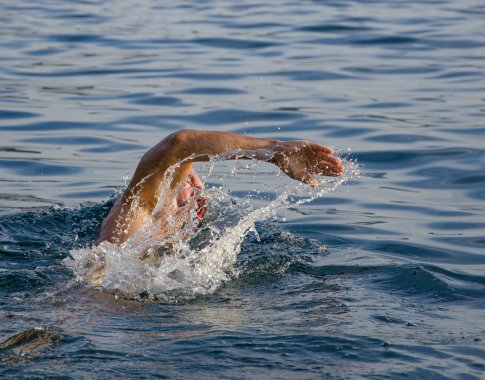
(301,160)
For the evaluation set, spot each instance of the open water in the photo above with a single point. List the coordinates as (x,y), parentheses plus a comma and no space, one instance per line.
(381,275)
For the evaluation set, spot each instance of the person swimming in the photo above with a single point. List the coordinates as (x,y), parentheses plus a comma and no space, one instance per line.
(139,203)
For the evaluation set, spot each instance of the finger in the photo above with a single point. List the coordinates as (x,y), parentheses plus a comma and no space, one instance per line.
(329,157)
(320,149)
(329,168)
(307,178)
(331,160)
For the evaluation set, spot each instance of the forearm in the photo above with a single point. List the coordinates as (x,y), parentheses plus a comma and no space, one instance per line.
(202,145)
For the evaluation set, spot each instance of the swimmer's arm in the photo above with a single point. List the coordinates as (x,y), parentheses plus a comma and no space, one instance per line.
(300,160)
(182,148)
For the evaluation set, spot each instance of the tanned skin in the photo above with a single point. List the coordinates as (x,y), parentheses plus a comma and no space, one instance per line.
(300,160)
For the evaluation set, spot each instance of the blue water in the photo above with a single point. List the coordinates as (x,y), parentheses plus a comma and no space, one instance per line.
(381,278)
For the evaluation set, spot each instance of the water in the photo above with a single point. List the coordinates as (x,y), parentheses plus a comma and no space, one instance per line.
(380,278)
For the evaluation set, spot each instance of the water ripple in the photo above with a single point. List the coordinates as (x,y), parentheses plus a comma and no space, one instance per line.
(7,114)
(385,275)
(37,168)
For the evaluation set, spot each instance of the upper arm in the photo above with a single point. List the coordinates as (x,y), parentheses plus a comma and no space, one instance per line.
(122,222)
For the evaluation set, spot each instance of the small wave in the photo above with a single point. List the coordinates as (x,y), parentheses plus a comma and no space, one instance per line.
(39,342)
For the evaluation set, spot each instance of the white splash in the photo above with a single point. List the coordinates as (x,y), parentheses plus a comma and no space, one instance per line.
(195,261)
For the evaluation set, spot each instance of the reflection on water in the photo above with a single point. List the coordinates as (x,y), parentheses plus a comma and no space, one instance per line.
(382,277)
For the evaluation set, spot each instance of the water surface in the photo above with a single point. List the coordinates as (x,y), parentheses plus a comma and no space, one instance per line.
(381,278)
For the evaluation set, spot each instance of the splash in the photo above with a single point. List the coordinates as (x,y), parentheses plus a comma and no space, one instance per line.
(197,259)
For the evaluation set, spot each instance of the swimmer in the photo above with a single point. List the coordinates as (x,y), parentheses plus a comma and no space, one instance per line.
(300,160)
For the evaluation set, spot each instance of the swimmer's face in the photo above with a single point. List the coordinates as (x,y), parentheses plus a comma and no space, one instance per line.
(190,191)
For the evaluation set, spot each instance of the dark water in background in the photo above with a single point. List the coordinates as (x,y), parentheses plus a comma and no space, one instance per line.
(383,278)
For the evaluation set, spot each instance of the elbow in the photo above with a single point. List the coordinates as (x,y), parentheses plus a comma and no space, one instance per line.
(174,148)
(184,142)
(171,143)
(180,138)
(179,145)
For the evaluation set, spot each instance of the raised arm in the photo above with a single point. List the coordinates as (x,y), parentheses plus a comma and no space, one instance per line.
(298,159)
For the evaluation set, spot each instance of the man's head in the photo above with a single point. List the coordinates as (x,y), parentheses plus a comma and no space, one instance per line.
(189,194)
(190,190)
